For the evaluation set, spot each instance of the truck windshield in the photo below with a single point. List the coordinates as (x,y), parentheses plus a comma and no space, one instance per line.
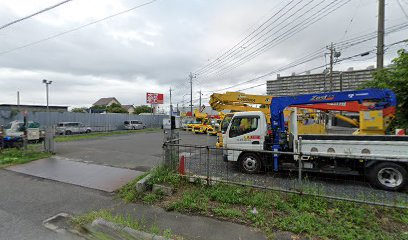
(8,126)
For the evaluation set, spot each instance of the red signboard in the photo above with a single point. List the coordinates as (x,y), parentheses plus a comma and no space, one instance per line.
(154,98)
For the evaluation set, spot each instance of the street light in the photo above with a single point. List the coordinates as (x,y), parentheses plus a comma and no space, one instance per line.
(49,134)
(46,82)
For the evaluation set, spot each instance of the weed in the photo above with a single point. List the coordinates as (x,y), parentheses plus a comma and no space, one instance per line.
(162,174)
(13,156)
(228,211)
(128,192)
(153,197)
(123,220)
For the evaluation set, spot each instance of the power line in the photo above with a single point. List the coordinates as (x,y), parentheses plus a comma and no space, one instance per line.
(262,48)
(34,14)
(233,49)
(402,8)
(75,29)
(295,29)
(312,56)
(338,61)
(284,13)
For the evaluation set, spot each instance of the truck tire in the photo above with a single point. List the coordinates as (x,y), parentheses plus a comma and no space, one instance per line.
(388,176)
(250,163)
(68,132)
(88,131)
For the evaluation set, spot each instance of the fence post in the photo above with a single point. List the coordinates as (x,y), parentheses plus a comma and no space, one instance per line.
(300,163)
(166,154)
(208,165)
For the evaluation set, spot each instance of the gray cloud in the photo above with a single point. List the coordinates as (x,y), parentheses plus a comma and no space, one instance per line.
(155,47)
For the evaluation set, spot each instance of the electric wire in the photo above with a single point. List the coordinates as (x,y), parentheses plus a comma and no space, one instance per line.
(34,14)
(299,27)
(76,29)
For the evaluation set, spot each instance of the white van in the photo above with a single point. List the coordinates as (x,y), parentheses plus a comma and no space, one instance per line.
(134,124)
(68,128)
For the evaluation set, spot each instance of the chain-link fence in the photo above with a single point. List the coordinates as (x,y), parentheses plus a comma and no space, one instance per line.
(338,176)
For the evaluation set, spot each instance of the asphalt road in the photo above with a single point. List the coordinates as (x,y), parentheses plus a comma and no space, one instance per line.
(140,151)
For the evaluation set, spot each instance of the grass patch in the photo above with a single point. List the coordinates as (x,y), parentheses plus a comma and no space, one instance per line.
(102,134)
(312,217)
(126,221)
(12,156)
(158,175)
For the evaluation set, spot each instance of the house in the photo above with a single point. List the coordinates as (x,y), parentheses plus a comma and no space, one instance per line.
(129,108)
(106,101)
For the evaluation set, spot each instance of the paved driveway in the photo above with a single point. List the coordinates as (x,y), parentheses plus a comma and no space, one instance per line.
(140,151)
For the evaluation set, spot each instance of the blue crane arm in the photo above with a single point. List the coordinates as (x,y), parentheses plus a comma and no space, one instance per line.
(385,97)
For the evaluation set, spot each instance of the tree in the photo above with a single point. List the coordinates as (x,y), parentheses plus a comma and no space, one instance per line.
(396,79)
(142,109)
(115,108)
(79,110)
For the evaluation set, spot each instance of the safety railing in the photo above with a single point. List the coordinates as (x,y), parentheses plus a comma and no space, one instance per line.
(339,176)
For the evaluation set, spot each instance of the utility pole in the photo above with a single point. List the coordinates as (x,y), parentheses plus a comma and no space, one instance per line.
(380,34)
(171,107)
(191,76)
(331,67)
(18,99)
(200,97)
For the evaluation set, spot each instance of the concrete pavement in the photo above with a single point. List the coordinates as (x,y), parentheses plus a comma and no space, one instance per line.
(26,201)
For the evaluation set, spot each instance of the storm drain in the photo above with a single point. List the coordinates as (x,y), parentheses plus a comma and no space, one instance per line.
(94,176)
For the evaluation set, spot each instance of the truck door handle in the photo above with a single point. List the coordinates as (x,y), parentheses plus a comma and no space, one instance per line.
(255,142)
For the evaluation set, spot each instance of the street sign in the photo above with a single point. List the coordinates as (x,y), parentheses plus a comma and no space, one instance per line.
(154,98)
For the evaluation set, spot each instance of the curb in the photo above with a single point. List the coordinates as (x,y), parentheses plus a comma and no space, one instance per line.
(116,230)
(142,185)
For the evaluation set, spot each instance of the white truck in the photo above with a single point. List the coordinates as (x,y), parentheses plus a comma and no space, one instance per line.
(382,159)
(15,129)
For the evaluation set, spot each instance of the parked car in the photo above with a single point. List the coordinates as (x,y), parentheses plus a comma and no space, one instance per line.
(69,128)
(134,124)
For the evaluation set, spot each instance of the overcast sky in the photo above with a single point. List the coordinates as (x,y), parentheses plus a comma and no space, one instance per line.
(153,48)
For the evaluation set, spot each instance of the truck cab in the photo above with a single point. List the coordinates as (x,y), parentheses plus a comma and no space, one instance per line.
(247,131)
(15,129)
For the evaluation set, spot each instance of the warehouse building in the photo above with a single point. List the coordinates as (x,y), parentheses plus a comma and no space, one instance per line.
(32,108)
(315,83)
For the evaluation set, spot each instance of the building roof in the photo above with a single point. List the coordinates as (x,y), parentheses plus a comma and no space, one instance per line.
(32,106)
(127,107)
(105,101)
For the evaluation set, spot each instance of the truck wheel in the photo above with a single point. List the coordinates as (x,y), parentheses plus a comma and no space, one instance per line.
(88,131)
(388,176)
(68,132)
(250,163)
